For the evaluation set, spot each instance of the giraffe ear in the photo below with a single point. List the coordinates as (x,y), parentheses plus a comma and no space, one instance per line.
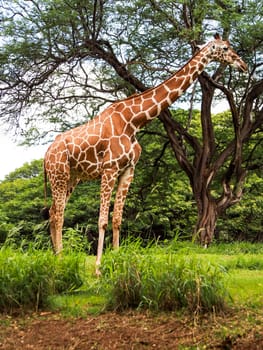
(217,36)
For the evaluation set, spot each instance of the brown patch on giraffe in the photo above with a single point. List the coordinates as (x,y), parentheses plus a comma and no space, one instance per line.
(61,168)
(183,72)
(184,84)
(90,154)
(129,130)
(119,124)
(92,140)
(161,93)
(107,130)
(93,171)
(70,147)
(170,84)
(127,113)
(164,104)
(64,156)
(78,141)
(84,145)
(125,141)
(124,160)
(101,147)
(82,156)
(68,139)
(52,158)
(115,146)
(154,110)
(73,162)
(76,152)
(192,70)
(147,104)
(136,109)
(119,107)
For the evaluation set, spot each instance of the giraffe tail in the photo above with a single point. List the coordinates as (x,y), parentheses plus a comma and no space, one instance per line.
(45,210)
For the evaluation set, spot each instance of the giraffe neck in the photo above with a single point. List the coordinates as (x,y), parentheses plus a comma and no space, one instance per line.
(153,101)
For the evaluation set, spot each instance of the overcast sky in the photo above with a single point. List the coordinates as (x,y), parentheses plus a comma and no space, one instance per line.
(13,156)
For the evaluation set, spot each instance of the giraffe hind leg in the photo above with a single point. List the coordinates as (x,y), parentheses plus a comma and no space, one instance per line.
(56,219)
(56,212)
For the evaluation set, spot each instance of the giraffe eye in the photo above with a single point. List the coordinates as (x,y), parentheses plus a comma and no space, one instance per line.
(225,48)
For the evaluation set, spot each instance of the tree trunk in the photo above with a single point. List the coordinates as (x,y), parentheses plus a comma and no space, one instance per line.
(207,217)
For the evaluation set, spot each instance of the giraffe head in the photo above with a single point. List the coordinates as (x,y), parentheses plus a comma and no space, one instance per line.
(221,51)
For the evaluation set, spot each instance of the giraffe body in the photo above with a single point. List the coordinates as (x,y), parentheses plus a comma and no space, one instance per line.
(106,146)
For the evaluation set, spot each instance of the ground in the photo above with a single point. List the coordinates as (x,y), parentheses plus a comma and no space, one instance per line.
(132,330)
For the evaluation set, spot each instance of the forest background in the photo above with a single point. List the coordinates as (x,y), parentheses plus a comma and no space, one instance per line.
(199,174)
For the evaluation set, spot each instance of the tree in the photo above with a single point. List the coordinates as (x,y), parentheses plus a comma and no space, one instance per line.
(59,55)
(21,196)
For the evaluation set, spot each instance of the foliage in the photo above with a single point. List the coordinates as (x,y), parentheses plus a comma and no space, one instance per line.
(21,196)
(27,280)
(244,220)
(75,241)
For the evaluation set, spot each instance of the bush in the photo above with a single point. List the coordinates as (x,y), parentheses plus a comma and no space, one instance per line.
(28,279)
(148,278)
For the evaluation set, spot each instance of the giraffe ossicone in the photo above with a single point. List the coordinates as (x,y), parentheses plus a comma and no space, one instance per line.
(106,147)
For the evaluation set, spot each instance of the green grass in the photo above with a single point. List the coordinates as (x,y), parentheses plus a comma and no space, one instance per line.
(184,275)
(159,277)
(246,287)
(228,249)
(78,304)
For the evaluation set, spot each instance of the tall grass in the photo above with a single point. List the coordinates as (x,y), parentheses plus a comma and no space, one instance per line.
(28,279)
(185,247)
(147,278)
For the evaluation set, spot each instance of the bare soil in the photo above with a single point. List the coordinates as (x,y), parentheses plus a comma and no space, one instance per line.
(132,330)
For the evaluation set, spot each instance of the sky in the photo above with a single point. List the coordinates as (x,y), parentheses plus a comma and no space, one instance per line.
(13,156)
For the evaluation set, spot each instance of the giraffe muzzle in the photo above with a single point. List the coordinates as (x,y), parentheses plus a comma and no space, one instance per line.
(241,66)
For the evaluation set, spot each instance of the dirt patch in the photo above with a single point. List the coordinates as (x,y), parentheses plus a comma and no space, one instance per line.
(129,331)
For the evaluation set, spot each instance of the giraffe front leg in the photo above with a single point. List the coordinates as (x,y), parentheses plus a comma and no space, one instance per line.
(123,186)
(107,184)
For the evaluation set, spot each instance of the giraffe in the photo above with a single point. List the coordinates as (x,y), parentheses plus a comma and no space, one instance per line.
(106,146)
